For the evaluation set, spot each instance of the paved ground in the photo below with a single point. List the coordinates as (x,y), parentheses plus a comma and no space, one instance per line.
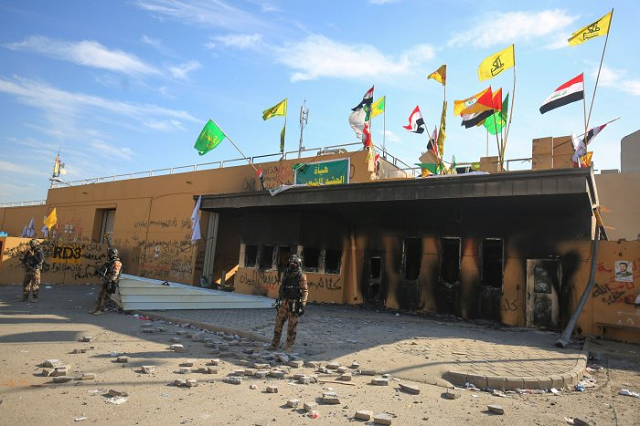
(420,349)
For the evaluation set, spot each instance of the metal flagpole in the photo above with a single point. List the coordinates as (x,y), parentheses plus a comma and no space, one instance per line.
(597,78)
(304,117)
(384,128)
(513,101)
(235,146)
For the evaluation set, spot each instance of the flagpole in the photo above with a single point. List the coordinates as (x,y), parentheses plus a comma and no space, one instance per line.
(384,128)
(597,79)
(513,101)
(584,112)
(236,147)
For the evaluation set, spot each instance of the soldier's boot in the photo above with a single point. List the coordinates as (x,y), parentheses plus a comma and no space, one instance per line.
(34,296)
(98,312)
(289,347)
(25,297)
(272,346)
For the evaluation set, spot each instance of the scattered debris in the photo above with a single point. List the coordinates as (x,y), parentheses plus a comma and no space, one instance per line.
(495,409)
(117,400)
(382,419)
(309,406)
(80,419)
(414,390)
(293,403)
(379,381)
(313,414)
(122,359)
(627,392)
(148,369)
(451,395)
(233,380)
(365,415)
(330,398)
(272,389)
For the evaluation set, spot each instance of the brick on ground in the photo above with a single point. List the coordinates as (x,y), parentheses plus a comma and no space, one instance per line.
(365,415)
(382,419)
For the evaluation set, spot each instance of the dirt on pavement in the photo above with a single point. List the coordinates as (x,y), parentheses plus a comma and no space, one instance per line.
(54,327)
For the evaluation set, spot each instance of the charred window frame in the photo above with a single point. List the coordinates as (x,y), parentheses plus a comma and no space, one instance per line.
(493,263)
(332,261)
(250,256)
(311,259)
(450,259)
(266,257)
(411,257)
(283,254)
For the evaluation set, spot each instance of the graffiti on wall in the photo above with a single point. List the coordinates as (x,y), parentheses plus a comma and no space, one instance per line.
(277,175)
(616,290)
(261,281)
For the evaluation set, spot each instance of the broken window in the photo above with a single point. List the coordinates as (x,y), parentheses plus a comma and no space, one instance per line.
(283,256)
(373,293)
(266,257)
(332,259)
(411,255)
(250,256)
(374,267)
(310,259)
(450,260)
(492,262)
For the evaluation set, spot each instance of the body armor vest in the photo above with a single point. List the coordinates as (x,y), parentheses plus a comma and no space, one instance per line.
(291,287)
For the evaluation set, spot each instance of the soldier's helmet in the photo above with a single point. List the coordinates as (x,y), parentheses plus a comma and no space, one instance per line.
(295,260)
(112,253)
(33,243)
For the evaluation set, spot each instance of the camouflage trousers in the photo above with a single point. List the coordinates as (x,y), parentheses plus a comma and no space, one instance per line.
(31,284)
(285,314)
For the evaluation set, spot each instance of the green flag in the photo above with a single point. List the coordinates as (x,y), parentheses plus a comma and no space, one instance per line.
(432,167)
(282,137)
(378,107)
(209,138)
(494,123)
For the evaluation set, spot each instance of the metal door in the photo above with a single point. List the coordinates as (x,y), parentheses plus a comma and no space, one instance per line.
(543,287)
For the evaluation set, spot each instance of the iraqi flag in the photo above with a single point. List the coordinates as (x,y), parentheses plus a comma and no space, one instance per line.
(416,122)
(571,91)
(366,100)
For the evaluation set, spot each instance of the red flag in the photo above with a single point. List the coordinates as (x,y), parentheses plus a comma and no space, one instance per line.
(366,136)
(416,122)
(571,91)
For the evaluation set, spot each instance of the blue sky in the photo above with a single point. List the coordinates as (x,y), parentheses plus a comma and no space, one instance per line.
(126,85)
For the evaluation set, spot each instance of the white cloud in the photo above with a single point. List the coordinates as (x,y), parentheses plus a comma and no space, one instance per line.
(181,71)
(6,166)
(150,41)
(499,28)
(617,79)
(210,13)
(391,137)
(107,150)
(165,125)
(238,41)
(87,53)
(318,56)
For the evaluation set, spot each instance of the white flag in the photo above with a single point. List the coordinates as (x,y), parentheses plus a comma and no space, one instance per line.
(356,121)
(195,221)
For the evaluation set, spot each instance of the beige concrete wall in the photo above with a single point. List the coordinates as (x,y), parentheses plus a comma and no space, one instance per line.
(630,153)
(13,219)
(619,195)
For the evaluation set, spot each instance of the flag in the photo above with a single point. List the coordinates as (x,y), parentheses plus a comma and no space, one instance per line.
(571,91)
(416,122)
(593,30)
(367,99)
(586,160)
(580,146)
(52,219)
(58,167)
(459,106)
(31,232)
(278,110)
(483,103)
(356,121)
(594,132)
(440,75)
(452,169)
(441,134)
(378,107)
(498,119)
(431,167)
(432,146)
(25,232)
(476,119)
(195,221)
(366,136)
(282,133)
(496,63)
(209,138)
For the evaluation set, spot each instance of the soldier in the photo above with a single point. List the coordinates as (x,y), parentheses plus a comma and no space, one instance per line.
(32,262)
(292,298)
(110,273)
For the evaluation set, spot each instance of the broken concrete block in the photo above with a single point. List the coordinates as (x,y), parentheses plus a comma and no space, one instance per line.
(191,383)
(293,403)
(305,380)
(177,347)
(346,377)
(233,380)
(86,338)
(179,382)
(365,415)
(323,370)
(296,363)
(449,394)
(113,392)
(78,351)
(122,359)
(368,372)
(260,374)
(496,409)
(88,376)
(60,371)
(184,370)
(382,419)
(261,366)
(272,389)
(333,366)
(51,363)
(46,372)
(198,337)
(182,332)
(386,376)
(62,379)
(283,358)
(330,398)
(355,365)
(187,363)
(148,369)
(278,374)
(243,362)
(214,361)
(239,373)
(308,406)
(208,370)
(342,369)
(312,364)
(248,372)
(414,390)
(117,400)
(379,381)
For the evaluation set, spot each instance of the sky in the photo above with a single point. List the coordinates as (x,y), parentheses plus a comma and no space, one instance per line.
(126,86)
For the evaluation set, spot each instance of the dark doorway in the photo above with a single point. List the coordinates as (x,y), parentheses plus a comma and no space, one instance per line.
(492,256)
(250,256)
(448,296)
(374,280)
(411,256)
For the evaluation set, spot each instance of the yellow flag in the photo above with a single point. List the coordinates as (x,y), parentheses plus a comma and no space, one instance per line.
(378,107)
(443,124)
(496,63)
(51,220)
(595,29)
(459,106)
(276,110)
(440,75)
(586,160)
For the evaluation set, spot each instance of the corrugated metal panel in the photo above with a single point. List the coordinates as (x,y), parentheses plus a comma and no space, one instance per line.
(140,293)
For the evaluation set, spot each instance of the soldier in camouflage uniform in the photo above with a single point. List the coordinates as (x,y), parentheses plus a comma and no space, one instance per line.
(292,298)
(110,273)
(32,261)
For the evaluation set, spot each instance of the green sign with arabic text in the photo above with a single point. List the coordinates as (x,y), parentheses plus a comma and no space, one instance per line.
(323,173)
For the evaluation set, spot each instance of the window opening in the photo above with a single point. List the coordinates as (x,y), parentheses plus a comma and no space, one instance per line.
(450,260)
(283,256)
(250,256)
(310,259)
(492,262)
(332,260)
(375,265)
(108,222)
(266,257)
(411,255)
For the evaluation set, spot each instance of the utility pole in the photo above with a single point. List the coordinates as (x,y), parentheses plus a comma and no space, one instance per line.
(304,118)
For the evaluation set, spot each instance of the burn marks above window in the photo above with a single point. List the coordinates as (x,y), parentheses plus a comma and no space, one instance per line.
(492,262)
(450,260)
